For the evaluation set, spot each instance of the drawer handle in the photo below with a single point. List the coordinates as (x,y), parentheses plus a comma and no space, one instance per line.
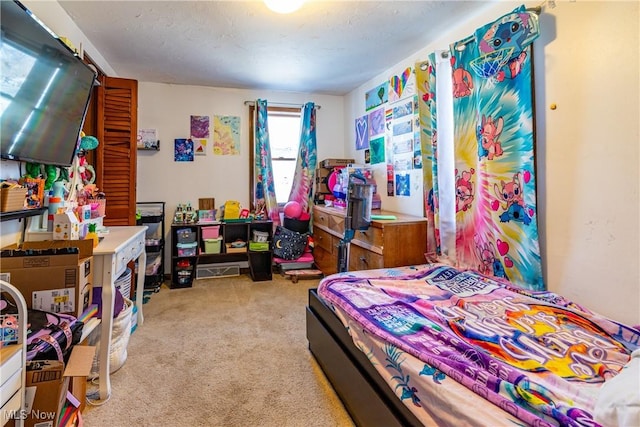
(364,260)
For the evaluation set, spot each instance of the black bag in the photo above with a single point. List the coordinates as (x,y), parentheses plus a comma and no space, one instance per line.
(288,244)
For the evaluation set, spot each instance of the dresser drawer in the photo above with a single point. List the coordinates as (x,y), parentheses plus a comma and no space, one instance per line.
(370,238)
(362,259)
(12,406)
(321,218)
(10,385)
(324,240)
(336,223)
(129,253)
(325,261)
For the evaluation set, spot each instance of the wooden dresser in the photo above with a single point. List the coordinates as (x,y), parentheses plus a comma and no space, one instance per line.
(387,243)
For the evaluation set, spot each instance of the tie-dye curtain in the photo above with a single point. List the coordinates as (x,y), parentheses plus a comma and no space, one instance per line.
(264,194)
(301,190)
(426,86)
(496,222)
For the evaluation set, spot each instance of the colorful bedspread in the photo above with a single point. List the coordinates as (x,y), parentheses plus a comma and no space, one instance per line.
(535,355)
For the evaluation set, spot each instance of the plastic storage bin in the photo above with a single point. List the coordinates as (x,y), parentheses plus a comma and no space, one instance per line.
(260,236)
(212,246)
(259,246)
(186,235)
(211,232)
(187,249)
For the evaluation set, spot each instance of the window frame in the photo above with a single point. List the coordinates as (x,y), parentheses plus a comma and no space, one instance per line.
(271,111)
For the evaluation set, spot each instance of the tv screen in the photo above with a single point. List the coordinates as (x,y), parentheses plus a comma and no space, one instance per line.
(44,91)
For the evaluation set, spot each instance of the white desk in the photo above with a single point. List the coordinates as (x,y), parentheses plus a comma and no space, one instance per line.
(120,246)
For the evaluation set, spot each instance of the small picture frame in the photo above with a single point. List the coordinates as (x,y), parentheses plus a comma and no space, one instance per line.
(35,192)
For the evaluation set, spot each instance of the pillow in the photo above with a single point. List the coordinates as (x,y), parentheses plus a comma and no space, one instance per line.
(288,244)
(618,402)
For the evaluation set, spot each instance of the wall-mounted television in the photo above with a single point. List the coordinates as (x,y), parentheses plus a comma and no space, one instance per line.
(44,90)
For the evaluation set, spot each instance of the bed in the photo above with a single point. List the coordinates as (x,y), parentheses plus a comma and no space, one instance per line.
(433,345)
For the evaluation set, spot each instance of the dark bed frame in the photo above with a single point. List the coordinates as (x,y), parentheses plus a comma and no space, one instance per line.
(367,397)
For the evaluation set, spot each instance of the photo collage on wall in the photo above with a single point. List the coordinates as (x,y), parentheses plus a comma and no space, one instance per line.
(390,131)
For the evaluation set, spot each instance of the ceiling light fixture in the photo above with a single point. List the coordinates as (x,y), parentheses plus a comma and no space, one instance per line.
(284,6)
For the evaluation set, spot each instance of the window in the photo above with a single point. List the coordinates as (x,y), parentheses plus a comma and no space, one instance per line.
(284,140)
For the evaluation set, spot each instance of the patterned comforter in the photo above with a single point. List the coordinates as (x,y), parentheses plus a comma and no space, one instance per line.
(441,335)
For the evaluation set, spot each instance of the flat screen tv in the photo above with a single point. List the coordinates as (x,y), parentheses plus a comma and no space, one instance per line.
(44,90)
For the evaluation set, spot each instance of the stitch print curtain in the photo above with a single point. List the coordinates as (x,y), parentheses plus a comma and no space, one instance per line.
(301,190)
(265,193)
(496,222)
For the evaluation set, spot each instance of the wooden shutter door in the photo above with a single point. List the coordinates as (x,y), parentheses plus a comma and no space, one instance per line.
(116,156)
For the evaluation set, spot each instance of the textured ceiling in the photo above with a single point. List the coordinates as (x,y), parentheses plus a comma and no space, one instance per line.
(327,47)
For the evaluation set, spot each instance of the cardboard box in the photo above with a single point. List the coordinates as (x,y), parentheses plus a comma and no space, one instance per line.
(66,226)
(330,163)
(47,383)
(51,275)
(45,392)
(323,173)
(78,370)
(322,184)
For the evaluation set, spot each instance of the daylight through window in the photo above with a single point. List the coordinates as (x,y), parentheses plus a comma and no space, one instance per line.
(284,140)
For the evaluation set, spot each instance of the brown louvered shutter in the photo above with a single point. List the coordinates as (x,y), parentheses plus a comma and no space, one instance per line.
(117,124)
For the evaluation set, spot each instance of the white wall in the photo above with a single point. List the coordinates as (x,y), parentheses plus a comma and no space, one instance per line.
(168,108)
(586,62)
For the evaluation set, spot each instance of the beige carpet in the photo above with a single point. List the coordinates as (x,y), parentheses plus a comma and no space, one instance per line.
(227,352)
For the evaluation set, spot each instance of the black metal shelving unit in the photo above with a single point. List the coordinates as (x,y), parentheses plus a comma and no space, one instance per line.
(183,261)
(152,215)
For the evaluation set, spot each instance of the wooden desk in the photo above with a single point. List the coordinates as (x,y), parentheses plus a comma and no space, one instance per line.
(120,246)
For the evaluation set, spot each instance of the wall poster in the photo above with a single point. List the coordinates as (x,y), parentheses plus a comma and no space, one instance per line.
(376,96)
(200,146)
(183,150)
(362,133)
(226,135)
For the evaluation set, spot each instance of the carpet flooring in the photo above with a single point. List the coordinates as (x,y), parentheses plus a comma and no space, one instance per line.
(226,352)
